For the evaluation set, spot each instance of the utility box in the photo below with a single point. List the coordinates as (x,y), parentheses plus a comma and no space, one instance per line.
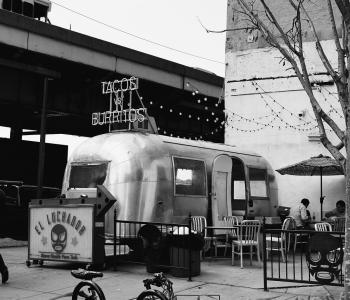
(69,230)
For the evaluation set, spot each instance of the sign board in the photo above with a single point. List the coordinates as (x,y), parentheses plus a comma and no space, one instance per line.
(61,233)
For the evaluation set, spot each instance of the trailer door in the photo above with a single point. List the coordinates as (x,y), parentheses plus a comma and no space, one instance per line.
(221,189)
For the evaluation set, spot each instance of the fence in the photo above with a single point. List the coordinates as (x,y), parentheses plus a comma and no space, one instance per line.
(161,247)
(303,256)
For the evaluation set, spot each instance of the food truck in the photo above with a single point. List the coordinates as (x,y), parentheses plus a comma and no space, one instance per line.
(134,174)
(157,178)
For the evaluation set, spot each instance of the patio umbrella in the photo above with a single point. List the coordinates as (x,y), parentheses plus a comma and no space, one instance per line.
(318,165)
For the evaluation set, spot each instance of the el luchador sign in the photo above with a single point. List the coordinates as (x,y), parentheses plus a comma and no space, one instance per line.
(120,93)
(61,233)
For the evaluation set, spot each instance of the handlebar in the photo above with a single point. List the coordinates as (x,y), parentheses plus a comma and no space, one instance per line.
(158,280)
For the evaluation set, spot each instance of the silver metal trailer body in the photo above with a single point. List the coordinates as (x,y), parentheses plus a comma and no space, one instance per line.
(163,179)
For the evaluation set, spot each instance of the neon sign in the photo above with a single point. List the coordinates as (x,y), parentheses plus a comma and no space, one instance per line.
(123,85)
(117,90)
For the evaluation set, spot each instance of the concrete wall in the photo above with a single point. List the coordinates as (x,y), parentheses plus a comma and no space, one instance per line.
(269,112)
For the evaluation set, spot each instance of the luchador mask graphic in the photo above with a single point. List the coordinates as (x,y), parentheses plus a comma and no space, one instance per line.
(58,237)
(325,257)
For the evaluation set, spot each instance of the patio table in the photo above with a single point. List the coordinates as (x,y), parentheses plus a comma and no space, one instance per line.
(219,236)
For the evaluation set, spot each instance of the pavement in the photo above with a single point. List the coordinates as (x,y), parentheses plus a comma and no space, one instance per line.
(218,277)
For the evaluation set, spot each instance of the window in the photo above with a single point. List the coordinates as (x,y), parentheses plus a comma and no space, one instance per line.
(190,177)
(239,180)
(239,189)
(87,175)
(257,180)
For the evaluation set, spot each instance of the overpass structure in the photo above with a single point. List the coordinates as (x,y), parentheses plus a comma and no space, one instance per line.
(51,82)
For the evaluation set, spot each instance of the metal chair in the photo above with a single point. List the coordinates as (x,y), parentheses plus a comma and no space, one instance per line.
(282,242)
(299,238)
(248,236)
(199,224)
(324,226)
(339,224)
(229,235)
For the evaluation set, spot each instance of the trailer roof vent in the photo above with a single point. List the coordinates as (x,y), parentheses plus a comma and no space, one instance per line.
(35,9)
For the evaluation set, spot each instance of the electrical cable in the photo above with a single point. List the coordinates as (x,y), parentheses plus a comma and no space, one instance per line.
(136,36)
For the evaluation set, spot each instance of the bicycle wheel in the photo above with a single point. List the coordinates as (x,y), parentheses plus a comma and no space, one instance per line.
(88,290)
(152,295)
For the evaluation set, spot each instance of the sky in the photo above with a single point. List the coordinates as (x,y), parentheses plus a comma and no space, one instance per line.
(145,25)
(173,30)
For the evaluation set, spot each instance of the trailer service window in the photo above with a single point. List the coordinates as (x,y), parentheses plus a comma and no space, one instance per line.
(189,177)
(87,175)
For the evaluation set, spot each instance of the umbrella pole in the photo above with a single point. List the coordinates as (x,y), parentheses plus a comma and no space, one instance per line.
(321,196)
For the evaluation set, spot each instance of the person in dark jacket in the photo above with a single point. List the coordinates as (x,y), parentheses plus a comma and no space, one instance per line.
(3,268)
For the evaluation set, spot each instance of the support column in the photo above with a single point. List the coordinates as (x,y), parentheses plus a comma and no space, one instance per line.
(41,164)
(16,133)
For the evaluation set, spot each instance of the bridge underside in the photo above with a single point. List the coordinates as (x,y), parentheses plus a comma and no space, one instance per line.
(74,90)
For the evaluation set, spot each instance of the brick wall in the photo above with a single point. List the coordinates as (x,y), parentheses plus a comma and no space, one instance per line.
(244,39)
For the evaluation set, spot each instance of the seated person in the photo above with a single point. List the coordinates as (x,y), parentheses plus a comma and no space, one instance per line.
(300,215)
(339,210)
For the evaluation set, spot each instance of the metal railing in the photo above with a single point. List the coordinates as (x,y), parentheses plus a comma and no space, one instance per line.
(303,256)
(162,247)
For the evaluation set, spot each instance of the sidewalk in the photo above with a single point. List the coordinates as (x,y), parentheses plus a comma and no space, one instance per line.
(53,281)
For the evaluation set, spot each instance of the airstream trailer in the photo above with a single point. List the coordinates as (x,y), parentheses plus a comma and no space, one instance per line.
(162,179)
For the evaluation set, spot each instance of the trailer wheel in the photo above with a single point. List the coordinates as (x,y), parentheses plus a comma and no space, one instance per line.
(28,263)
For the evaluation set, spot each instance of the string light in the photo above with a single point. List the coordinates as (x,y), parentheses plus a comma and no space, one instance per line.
(275,115)
(332,108)
(207,119)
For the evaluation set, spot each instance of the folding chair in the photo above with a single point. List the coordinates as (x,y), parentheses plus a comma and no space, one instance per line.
(229,235)
(248,236)
(199,224)
(339,224)
(282,242)
(324,226)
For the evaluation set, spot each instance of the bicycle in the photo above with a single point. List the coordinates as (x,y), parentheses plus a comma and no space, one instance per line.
(87,288)
(158,280)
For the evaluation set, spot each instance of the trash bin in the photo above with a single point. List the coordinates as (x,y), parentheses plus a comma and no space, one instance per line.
(180,243)
(156,251)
